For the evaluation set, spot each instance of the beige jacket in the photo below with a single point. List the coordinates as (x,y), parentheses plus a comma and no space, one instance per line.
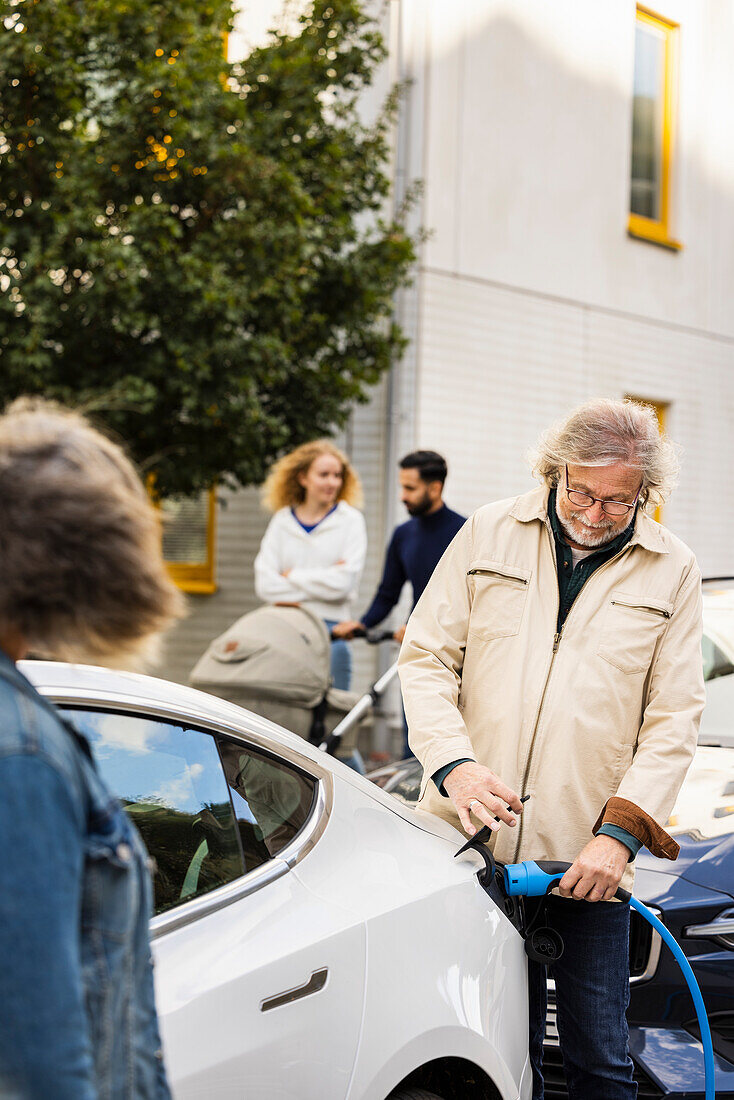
(608,709)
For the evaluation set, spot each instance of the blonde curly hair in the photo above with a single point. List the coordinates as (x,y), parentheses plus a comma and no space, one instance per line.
(603,432)
(282,488)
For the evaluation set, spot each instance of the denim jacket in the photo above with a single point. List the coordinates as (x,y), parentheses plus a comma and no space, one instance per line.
(77,1010)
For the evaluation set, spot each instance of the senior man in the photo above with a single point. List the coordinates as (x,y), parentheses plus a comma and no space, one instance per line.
(556,653)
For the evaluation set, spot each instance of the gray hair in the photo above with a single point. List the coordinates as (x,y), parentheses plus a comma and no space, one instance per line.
(604,432)
(81,569)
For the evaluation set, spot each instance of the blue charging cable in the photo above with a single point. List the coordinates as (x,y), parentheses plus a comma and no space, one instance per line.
(532,880)
(708,1048)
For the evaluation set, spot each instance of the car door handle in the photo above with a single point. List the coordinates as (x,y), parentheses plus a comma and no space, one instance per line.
(316,982)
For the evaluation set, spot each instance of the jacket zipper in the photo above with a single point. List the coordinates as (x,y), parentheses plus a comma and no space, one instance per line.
(496,573)
(641,607)
(556,643)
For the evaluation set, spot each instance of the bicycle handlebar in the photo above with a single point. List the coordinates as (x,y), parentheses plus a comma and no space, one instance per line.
(372,637)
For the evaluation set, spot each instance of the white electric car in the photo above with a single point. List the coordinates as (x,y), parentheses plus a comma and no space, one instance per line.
(313,938)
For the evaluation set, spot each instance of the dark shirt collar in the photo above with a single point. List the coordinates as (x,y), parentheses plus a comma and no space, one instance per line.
(433,517)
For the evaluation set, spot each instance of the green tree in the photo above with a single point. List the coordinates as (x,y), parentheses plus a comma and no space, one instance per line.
(196,251)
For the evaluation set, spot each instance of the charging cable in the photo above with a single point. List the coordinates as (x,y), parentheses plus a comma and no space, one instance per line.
(535,879)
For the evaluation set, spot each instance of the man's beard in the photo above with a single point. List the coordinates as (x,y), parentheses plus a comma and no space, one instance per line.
(421,507)
(591,536)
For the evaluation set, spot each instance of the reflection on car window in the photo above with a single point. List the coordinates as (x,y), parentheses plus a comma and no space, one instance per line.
(715,662)
(170,781)
(271,800)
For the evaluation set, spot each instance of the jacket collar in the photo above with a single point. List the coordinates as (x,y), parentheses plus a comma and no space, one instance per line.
(9,671)
(534,505)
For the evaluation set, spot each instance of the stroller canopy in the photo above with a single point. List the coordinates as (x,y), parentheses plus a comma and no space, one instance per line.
(276,653)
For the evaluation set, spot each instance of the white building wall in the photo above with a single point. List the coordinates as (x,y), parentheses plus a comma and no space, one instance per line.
(527,153)
(499,365)
(531,296)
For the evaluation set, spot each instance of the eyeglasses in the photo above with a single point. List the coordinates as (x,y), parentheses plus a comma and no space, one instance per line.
(611,507)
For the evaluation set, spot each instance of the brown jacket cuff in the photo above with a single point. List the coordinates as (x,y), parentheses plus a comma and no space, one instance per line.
(628,816)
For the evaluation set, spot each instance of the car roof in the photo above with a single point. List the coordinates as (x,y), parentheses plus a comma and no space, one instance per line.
(88,683)
(76,684)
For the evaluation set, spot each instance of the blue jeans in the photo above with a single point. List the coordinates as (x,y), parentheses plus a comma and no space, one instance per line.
(341,660)
(592,993)
(341,675)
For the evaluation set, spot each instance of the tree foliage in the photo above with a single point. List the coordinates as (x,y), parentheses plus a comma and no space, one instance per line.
(196,251)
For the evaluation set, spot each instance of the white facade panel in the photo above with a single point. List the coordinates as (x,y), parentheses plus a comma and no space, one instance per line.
(528,139)
(499,366)
(693,372)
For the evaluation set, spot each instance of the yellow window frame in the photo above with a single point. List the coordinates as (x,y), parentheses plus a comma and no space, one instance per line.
(649,229)
(195,577)
(661,412)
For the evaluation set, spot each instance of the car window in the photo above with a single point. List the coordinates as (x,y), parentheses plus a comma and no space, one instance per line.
(272,800)
(170,780)
(715,661)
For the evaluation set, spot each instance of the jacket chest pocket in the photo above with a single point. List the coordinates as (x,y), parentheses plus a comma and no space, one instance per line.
(499,595)
(111,880)
(630,631)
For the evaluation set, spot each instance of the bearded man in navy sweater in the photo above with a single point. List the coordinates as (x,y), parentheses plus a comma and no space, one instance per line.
(416,546)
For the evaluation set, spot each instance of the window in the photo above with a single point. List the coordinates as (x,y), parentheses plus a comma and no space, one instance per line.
(208,809)
(271,800)
(653,125)
(170,781)
(661,412)
(189,525)
(715,661)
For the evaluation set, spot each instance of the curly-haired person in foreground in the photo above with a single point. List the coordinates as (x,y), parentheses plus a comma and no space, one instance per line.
(556,653)
(81,578)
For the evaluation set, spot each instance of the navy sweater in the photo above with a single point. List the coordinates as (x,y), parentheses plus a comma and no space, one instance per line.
(415,550)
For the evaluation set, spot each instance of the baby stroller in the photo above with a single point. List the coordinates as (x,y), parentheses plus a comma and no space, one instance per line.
(275,662)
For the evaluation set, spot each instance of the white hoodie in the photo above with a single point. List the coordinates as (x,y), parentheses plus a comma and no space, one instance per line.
(324,565)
